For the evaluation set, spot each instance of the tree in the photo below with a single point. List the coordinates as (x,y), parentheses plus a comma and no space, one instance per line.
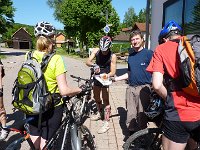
(6,15)
(130,17)
(142,16)
(83,19)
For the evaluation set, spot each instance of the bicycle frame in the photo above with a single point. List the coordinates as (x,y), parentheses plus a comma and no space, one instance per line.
(69,125)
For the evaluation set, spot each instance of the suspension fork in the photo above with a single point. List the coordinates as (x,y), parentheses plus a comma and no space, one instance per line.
(66,131)
(75,137)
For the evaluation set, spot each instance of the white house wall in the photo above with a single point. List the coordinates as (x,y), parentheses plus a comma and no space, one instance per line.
(156,21)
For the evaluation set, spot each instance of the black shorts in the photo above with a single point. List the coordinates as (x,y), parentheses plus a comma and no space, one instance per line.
(51,120)
(180,132)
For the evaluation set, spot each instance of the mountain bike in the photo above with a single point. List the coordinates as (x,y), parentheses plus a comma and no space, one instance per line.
(71,134)
(150,139)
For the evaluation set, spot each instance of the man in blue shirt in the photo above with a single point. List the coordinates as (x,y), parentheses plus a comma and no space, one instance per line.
(138,91)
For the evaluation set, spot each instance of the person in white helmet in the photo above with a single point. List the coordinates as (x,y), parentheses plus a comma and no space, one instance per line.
(55,76)
(105,64)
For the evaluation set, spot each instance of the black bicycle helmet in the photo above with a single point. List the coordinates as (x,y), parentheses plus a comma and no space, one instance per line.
(155,107)
(168,28)
(45,29)
(105,43)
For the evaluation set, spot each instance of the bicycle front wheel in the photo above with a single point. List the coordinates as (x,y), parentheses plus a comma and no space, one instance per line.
(16,145)
(147,139)
(87,140)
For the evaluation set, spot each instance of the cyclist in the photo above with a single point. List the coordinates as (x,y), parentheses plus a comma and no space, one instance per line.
(55,76)
(4,132)
(105,64)
(181,110)
(139,90)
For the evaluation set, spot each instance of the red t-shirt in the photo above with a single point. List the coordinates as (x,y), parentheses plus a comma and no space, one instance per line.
(179,105)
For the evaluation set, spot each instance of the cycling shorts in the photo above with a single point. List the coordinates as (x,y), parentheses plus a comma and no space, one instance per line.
(180,132)
(51,120)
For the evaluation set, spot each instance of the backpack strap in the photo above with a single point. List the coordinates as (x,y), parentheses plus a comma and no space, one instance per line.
(46,59)
(29,55)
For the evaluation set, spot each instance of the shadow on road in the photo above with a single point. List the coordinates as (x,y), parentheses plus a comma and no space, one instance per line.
(122,121)
(121,71)
(12,53)
(16,117)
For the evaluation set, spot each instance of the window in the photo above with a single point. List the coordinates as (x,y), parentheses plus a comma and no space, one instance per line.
(185,12)
(173,11)
(192,17)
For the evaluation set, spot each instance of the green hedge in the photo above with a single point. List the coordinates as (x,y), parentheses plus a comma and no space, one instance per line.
(117,48)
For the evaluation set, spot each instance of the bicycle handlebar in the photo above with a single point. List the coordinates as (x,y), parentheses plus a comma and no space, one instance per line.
(79,78)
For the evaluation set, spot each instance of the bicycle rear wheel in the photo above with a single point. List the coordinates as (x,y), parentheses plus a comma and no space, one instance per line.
(147,139)
(87,140)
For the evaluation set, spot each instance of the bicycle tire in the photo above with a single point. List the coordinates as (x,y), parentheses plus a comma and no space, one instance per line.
(146,139)
(87,139)
(16,145)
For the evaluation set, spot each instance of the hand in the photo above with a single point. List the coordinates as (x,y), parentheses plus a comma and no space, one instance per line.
(104,76)
(96,68)
(84,90)
(113,79)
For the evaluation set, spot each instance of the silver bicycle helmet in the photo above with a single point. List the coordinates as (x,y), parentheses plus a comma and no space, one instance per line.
(105,43)
(44,28)
(155,107)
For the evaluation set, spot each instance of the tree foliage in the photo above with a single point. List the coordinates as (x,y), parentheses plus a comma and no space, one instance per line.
(130,17)
(83,19)
(6,15)
(142,16)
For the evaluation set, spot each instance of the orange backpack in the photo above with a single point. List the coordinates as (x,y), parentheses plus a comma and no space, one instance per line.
(189,52)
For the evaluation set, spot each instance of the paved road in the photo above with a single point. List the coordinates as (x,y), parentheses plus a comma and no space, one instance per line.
(112,140)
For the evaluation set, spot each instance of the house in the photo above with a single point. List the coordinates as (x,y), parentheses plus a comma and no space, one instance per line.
(21,39)
(60,39)
(123,36)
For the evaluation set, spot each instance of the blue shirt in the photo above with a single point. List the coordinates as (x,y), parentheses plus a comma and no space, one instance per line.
(137,64)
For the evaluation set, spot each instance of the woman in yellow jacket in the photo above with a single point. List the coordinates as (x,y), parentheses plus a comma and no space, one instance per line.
(55,76)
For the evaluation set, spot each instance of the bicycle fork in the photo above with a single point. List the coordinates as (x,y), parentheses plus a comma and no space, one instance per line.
(75,138)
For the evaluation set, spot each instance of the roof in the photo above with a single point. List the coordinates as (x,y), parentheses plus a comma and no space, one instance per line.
(141,26)
(122,36)
(22,28)
(60,33)
(136,26)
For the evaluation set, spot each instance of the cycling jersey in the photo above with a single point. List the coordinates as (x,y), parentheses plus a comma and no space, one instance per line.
(55,67)
(103,61)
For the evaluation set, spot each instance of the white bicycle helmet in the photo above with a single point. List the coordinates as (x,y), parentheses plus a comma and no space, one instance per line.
(105,43)
(155,107)
(44,28)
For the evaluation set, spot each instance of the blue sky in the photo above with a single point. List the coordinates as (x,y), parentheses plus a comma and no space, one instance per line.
(32,11)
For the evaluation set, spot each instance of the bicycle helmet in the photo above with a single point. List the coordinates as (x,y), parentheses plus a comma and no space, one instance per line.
(168,28)
(44,28)
(105,43)
(155,107)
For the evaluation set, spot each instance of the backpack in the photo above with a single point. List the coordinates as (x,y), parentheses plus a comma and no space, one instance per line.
(189,52)
(30,94)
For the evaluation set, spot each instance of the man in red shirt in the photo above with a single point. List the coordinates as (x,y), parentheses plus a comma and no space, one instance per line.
(182,115)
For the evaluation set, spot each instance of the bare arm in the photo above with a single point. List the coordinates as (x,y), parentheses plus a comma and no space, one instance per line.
(157,83)
(89,62)
(122,77)
(63,87)
(113,65)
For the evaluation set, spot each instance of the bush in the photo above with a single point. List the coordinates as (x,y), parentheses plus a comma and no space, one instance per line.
(117,48)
